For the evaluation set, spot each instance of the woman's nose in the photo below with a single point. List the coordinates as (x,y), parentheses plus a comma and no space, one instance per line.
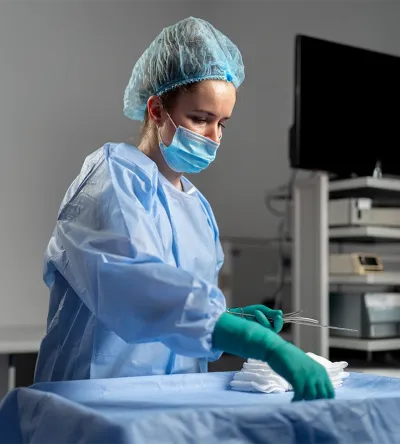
(215,133)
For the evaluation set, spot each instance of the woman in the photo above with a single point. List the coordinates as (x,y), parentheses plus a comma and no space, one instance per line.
(133,262)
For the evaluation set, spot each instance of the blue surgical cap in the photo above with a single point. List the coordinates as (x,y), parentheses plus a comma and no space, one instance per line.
(189,51)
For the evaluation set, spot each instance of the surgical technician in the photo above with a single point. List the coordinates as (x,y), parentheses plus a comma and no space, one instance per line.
(133,262)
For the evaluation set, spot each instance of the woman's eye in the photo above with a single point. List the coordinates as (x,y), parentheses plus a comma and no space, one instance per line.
(221,124)
(198,120)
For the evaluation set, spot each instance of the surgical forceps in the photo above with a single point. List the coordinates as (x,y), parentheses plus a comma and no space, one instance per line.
(295,318)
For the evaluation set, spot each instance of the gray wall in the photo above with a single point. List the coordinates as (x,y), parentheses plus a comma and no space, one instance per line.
(253,156)
(63,69)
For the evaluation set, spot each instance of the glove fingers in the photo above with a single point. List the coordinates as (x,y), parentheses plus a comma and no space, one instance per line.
(310,391)
(276,315)
(298,393)
(261,319)
(268,311)
(322,392)
(297,397)
(262,313)
(329,389)
(328,385)
(278,324)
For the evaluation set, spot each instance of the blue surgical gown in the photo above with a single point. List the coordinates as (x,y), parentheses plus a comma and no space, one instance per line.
(132,269)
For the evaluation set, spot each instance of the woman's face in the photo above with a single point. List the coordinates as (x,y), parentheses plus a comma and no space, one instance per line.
(204,109)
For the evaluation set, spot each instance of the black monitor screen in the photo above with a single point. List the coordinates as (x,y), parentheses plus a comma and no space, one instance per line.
(346,114)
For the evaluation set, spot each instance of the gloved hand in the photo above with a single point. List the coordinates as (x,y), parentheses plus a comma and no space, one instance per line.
(262,313)
(239,337)
(309,381)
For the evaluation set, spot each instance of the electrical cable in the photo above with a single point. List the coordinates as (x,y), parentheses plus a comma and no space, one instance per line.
(283,234)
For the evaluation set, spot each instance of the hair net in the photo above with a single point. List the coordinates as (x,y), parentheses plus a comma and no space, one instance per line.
(189,51)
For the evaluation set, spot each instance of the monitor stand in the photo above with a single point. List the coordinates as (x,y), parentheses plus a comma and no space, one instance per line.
(377,173)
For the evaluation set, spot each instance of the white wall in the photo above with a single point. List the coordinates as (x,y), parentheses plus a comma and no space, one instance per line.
(254,154)
(63,69)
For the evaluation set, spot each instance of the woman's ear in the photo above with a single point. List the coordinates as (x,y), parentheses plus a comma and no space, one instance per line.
(155,110)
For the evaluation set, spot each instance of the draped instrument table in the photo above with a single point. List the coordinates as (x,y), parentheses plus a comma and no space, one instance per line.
(197,408)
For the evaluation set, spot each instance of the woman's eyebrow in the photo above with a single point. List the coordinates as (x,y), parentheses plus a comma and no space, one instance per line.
(209,113)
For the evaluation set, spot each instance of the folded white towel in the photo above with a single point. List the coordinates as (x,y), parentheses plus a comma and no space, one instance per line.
(258,376)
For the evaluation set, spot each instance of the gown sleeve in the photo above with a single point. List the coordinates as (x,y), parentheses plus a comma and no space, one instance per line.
(109,250)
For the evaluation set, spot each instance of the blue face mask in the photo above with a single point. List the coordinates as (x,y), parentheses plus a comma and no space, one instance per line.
(189,152)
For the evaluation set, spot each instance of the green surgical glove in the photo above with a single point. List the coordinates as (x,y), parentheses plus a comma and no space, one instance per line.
(308,378)
(262,313)
(239,337)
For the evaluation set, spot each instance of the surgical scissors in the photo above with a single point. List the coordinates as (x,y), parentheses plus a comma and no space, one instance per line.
(295,318)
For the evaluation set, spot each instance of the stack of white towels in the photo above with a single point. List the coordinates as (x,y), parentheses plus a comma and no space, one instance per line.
(258,376)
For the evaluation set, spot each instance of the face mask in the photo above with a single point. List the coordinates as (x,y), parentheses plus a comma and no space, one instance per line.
(189,152)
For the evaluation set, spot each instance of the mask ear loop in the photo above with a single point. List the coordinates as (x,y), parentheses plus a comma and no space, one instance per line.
(158,128)
(173,123)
